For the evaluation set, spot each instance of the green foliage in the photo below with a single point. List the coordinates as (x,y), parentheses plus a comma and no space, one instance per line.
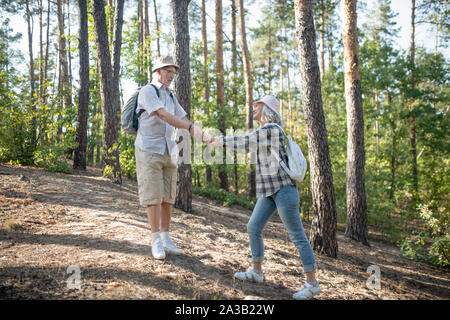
(228,198)
(15,135)
(433,243)
(127,157)
(53,158)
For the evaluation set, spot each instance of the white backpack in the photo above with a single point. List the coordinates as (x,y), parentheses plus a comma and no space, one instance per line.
(297,161)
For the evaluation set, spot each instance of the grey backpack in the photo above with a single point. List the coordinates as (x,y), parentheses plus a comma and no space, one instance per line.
(130,119)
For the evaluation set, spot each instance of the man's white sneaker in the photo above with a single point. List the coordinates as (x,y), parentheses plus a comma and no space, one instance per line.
(158,249)
(250,275)
(168,244)
(307,292)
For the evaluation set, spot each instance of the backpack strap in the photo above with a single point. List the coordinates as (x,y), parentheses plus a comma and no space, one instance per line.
(157,91)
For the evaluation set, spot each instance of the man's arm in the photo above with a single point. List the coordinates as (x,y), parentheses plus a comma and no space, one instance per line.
(182,123)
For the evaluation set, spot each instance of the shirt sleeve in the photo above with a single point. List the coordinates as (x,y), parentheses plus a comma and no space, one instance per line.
(148,100)
(179,111)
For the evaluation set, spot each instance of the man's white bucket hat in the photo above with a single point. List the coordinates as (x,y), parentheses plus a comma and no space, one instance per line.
(271,102)
(164,61)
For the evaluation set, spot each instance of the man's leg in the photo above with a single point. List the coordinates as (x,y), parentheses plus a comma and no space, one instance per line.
(154,216)
(154,219)
(166,215)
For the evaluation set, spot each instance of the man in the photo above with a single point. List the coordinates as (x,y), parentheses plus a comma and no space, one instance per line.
(156,152)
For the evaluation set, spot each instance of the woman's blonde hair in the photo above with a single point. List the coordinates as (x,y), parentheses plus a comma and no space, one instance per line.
(270,116)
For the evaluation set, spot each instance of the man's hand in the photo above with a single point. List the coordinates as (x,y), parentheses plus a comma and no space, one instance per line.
(196,132)
(207,137)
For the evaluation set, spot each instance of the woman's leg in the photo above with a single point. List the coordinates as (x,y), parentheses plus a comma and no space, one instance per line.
(264,209)
(287,200)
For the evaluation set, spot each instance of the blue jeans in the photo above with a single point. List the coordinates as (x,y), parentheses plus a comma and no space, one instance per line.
(286,201)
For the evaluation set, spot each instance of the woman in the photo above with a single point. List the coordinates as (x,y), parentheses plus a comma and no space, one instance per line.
(275,190)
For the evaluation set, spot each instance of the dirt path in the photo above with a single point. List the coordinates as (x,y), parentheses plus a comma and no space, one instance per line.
(51,221)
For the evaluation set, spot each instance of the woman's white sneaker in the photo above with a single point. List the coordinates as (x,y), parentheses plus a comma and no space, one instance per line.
(250,275)
(307,292)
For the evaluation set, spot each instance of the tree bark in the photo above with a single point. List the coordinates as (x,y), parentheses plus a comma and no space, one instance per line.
(79,161)
(208,171)
(323,228)
(32,80)
(141,63)
(158,50)
(412,119)
(356,193)
(322,39)
(180,29)
(251,175)
(109,97)
(234,85)
(392,123)
(117,46)
(65,82)
(147,51)
(223,177)
(41,56)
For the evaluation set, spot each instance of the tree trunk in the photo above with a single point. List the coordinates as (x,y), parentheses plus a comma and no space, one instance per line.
(356,193)
(147,43)
(157,29)
(117,45)
(234,85)
(47,45)
(223,177)
(180,21)
(323,228)
(281,82)
(141,81)
(108,92)
(394,146)
(41,57)
(330,50)
(412,119)
(69,54)
(65,88)
(208,172)
(79,161)
(251,176)
(322,39)
(32,84)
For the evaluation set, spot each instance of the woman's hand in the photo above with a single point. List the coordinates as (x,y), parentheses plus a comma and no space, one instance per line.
(215,142)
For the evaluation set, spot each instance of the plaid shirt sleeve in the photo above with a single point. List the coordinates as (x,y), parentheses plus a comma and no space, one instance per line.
(270,177)
(242,144)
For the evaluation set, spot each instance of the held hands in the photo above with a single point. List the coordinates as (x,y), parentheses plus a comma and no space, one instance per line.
(201,135)
(204,136)
(214,142)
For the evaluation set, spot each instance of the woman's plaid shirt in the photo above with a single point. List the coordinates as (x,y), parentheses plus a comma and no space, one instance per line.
(270,176)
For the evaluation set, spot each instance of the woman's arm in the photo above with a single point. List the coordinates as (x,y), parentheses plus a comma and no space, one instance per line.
(239,144)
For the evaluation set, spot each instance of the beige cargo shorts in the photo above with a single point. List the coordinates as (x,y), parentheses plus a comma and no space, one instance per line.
(156,176)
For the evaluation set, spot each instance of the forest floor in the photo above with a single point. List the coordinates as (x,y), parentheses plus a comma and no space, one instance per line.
(51,221)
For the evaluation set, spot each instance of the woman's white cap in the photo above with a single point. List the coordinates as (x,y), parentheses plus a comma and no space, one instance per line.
(271,102)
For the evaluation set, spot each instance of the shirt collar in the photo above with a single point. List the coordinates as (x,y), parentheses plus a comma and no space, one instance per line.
(159,85)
